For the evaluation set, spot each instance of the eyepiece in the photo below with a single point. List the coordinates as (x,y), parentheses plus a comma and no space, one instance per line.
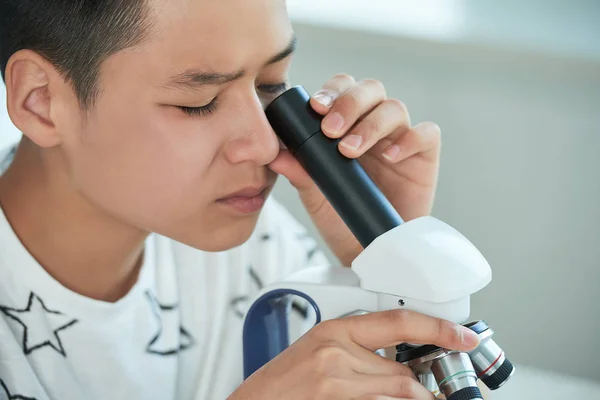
(293,119)
(343,181)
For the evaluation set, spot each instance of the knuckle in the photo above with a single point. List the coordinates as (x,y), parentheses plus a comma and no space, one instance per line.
(375,83)
(329,358)
(406,371)
(368,127)
(399,317)
(398,104)
(405,387)
(344,77)
(447,329)
(433,129)
(350,101)
(440,326)
(328,329)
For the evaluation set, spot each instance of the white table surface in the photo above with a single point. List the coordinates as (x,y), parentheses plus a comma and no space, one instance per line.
(533,384)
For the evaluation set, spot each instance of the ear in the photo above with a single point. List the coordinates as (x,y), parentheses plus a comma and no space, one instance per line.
(29,84)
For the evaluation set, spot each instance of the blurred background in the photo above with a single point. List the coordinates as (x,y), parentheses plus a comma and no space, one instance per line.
(515,87)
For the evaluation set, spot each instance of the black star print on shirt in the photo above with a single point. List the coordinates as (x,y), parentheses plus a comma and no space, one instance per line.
(4,392)
(40,325)
(167,341)
(313,248)
(240,303)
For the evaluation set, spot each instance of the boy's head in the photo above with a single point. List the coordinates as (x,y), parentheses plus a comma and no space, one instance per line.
(96,87)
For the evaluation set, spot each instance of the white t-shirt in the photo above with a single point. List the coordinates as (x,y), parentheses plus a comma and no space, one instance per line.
(176,335)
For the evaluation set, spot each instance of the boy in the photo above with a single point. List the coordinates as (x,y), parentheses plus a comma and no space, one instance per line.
(135,221)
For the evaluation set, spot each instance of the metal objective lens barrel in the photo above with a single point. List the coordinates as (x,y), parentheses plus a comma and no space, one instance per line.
(456,377)
(489,359)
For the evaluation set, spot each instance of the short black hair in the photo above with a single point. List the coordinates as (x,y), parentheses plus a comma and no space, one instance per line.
(76,36)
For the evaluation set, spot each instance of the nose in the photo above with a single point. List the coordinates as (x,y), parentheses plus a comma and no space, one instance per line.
(254,140)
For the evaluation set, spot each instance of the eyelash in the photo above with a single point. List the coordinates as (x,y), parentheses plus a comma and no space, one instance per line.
(197,111)
(212,106)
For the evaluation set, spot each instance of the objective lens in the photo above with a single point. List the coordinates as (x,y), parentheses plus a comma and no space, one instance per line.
(489,360)
(456,377)
(428,380)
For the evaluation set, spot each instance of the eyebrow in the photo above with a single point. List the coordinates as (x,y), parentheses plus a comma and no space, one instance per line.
(291,47)
(192,78)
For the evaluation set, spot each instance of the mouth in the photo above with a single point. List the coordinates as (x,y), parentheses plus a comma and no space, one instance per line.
(248,192)
(246,201)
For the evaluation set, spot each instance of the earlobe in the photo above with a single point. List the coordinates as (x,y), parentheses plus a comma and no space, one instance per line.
(29,98)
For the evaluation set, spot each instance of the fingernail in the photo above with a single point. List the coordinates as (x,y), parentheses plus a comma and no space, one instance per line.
(352,142)
(468,337)
(392,152)
(324,98)
(333,123)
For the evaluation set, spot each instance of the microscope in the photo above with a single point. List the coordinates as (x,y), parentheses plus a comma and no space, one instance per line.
(423,265)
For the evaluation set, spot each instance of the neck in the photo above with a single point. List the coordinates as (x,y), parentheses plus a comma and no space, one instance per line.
(78,244)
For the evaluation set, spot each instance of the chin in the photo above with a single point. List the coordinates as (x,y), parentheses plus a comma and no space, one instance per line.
(224,238)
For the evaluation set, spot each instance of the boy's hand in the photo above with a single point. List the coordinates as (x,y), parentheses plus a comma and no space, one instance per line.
(337,360)
(402,159)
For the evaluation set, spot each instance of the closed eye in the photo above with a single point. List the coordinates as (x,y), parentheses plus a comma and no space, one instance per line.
(204,110)
(212,106)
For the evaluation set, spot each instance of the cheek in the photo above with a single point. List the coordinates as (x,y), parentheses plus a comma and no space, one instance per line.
(142,164)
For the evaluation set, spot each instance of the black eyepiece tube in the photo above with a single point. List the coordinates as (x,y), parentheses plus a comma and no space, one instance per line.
(343,181)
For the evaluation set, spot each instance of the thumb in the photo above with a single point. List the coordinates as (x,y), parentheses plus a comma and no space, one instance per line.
(285,164)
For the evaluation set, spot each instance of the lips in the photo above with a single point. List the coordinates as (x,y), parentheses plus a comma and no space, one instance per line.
(247,192)
(246,201)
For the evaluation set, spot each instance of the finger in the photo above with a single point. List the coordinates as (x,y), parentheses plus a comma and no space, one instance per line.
(424,138)
(371,363)
(322,100)
(378,397)
(384,329)
(394,386)
(388,120)
(285,164)
(350,106)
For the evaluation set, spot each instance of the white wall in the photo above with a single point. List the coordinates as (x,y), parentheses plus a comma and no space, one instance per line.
(520,175)
(8,132)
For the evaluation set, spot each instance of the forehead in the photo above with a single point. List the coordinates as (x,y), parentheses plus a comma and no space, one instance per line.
(219,35)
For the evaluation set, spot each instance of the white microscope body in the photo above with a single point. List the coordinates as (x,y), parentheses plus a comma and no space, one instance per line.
(423,265)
